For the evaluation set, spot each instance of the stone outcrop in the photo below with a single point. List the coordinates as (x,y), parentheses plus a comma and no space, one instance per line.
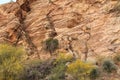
(94,31)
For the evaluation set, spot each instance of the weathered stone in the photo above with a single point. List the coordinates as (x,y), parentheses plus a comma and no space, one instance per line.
(87,21)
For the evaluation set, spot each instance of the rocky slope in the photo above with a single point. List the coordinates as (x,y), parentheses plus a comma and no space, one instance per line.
(85,28)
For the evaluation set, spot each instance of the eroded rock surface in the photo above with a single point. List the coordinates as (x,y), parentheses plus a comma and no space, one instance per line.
(89,25)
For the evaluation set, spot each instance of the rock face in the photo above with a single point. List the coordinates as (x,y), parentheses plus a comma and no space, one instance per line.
(84,25)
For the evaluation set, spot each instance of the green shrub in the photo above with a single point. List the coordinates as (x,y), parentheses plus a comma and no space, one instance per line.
(63,58)
(10,62)
(51,45)
(31,70)
(109,66)
(94,74)
(31,74)
(37,70)
(58,72)
(79,70)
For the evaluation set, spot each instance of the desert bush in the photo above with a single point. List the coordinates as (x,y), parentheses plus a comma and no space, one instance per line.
(58,72)
(50,69)
(63,58)
(30,73)
(51,45)
(10,62)
(31,70)
(109,66)
(79,70)
(94,74)
(37,70)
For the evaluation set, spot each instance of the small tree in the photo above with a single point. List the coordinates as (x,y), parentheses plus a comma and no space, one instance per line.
(51,45)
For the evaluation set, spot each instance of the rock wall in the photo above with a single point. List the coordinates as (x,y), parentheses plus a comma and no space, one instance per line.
(86,24)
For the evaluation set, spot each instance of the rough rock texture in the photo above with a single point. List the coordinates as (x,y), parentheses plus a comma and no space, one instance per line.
(83,27)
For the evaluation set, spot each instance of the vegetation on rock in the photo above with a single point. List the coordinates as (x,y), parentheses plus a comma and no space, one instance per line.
(10,62)
(79,70)
(51,45)
(94,74)
(13,66)
(109,66)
